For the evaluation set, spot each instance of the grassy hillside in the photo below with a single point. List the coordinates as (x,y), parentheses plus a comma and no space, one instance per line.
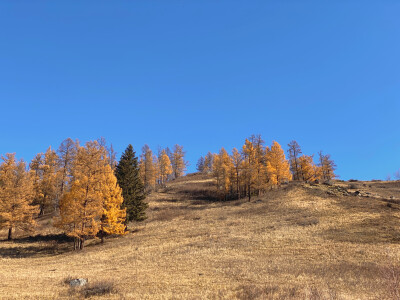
(299,242)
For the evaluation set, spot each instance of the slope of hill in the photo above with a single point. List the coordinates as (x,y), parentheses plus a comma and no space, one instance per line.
(299,242)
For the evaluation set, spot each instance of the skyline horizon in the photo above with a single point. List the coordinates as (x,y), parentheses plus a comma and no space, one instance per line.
(205,76)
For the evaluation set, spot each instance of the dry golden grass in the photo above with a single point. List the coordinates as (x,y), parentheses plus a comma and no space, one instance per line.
(294,243)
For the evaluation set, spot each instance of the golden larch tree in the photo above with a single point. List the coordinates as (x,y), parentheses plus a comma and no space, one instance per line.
(83,207)
(249,166)
(306,168)
(80,210)
(66,156)
(327,167)
(222,170)
(294,152)
(148,171)
(49,181)
(208,162)
(157,175)
(278,167)
(260,180)
(45,174)
(113,218)
(164,167)
(178,161)
(237,162)
(36,175)
(16,196)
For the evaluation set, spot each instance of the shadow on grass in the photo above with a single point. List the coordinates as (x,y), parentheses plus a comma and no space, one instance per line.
(40,245)
(34,251)
(60,238)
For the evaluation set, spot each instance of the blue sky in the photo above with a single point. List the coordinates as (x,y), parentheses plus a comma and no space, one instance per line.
(205,74)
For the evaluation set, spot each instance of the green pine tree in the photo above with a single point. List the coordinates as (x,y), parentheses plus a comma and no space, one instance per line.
(127,173)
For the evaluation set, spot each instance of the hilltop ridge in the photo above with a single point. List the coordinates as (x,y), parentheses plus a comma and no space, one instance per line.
(300,241)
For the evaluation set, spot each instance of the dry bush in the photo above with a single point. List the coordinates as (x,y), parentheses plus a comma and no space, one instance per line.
(100,288)
(68,279)
(353,186)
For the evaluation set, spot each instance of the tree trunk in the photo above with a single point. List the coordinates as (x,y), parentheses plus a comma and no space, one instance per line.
(249,193)
(41,212)
(9,233)
(82,241)
(102,234)
(237,185)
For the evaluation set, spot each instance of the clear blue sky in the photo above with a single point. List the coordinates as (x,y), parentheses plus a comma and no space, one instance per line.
(204,74)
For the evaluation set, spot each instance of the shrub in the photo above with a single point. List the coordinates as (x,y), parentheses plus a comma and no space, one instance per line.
(68,279)
(353,186)
(99,288)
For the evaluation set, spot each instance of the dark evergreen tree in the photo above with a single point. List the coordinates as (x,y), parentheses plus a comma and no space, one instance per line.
(127,173)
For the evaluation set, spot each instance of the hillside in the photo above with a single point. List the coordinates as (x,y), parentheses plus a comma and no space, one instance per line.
(299,242)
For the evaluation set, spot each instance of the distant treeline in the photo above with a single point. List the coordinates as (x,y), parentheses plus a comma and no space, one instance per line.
(256,167)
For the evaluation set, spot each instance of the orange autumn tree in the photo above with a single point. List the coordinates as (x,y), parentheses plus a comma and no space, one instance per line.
(278,168)
(113,218)
(46,178)
(258,167)
(94,199)
(66,156)
(237,162)
(50,179)
(306,168)
(326,167)
(178,161)
(148,168)
(208,162)
(222,171)
(249,166)
(260,181)
(36,175)
(165,167)
(16,196)
(294,151)
(79,213)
